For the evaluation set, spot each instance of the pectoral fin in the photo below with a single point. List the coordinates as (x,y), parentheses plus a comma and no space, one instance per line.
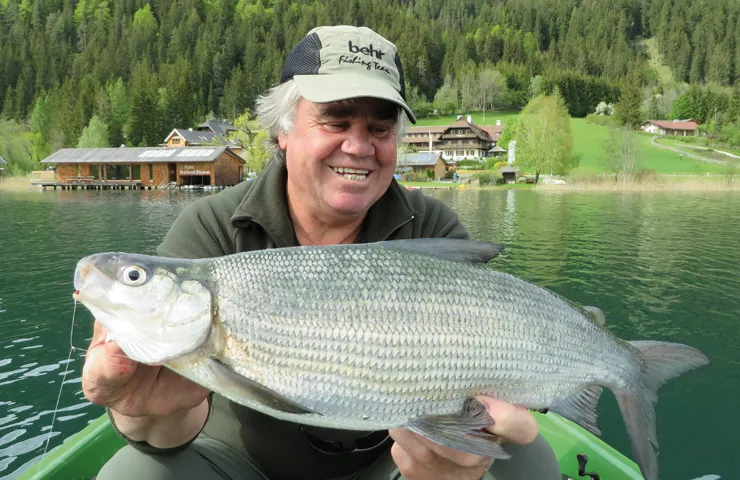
(253,390)
(463,431)
(580,408)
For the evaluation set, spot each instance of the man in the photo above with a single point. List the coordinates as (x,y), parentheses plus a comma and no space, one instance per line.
(334,122)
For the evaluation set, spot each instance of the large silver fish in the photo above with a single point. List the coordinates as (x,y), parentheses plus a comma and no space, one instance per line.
(375,336)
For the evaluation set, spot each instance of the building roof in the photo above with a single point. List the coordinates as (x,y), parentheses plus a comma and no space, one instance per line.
(675,124)
(2,161)
(197,137)
(497,149)
(509,169)
(421,159)
(420,140)
(478,131)
(219,127)
(434,129)
(493,130)
(138,155)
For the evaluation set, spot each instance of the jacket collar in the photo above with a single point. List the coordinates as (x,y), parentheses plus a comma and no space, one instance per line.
(266,205)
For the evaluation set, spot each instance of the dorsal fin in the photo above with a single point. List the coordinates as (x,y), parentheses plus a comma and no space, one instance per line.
(452,249)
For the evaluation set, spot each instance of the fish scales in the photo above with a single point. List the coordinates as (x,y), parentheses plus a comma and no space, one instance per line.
(362,326)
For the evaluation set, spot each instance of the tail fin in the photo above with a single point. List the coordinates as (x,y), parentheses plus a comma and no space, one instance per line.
(662,362)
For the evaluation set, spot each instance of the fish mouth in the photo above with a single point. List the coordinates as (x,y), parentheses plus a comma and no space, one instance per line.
(89,277)
(356,174)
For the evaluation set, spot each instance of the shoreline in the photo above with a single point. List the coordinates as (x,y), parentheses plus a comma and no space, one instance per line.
(16,184)
(668,183)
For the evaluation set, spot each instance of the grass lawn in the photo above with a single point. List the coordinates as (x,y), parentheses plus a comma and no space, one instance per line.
(588,141)
(505,116)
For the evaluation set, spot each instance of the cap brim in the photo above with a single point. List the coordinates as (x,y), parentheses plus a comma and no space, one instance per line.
(324,88)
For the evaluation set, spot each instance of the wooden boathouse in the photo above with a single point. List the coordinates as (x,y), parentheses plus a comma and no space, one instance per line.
(144,168)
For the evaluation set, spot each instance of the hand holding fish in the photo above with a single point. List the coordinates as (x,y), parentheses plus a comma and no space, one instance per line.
(420,458)
(144,399)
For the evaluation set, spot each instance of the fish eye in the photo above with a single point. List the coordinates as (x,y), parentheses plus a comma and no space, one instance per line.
(134,276)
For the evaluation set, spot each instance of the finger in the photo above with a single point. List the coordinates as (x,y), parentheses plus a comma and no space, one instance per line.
(458,457)
(99,335)
(428,452)
(107,368)
(410,443)
(106,371)
(514,423)
(441,469)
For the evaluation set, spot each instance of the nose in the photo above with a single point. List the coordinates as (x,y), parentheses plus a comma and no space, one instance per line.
(359,142)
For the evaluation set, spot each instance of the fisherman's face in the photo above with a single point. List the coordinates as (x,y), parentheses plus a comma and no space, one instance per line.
(328,139)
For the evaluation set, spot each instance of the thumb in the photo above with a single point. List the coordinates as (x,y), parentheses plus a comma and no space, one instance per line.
(106,371)
(514,423)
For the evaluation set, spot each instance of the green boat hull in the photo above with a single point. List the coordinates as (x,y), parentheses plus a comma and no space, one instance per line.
(83,454)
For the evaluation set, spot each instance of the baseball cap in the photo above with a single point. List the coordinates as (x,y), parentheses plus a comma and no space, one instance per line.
(341,62)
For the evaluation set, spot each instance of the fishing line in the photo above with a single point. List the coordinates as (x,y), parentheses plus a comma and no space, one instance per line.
(72,348)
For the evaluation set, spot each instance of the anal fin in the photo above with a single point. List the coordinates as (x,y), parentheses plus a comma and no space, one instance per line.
(253,390)
(581,408)
(463,431)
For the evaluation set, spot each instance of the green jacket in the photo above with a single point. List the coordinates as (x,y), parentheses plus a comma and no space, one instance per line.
(254,215)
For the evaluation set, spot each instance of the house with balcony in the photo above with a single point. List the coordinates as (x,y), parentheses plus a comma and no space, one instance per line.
(460,141)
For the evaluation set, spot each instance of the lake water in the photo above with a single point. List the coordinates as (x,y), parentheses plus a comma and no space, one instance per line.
(660,265)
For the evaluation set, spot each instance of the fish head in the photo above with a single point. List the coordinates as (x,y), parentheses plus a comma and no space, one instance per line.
(156,309)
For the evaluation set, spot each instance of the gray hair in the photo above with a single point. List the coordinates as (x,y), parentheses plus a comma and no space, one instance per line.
(276,113)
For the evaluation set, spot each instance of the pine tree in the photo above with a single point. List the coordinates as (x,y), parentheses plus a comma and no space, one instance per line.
(144,123)
(629,107)
(8,103)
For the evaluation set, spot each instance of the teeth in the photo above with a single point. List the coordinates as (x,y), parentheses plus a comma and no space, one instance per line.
(350,170)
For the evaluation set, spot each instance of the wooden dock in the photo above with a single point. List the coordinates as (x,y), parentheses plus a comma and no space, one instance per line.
(117,185)
(95,185)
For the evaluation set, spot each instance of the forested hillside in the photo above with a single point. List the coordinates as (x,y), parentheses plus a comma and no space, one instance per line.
(143,67)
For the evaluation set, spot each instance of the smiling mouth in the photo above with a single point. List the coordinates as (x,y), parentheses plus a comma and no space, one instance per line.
(356,174)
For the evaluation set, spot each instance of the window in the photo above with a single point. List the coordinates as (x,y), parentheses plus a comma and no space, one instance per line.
(116,172)
(175,140)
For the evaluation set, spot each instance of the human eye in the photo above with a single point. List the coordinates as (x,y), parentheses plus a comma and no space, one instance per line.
(381,131)
(335,127)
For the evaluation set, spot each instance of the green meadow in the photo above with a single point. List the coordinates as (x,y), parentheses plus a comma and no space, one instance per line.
(506,117)
(588,142)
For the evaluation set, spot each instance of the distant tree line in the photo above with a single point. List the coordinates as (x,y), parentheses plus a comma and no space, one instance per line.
(92,72)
